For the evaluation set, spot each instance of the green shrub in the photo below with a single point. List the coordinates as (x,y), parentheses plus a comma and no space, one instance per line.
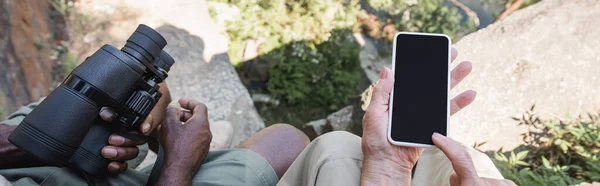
(563,152)
(316,74)
(274,23)
(430,16)
(313,60)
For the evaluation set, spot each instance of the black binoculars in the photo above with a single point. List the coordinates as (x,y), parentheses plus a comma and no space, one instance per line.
(65,128)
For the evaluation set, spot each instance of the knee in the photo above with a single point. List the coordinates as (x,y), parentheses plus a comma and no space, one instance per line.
(289,132)
(338,142)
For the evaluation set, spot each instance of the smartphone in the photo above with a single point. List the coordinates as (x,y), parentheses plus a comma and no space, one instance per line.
(420,101)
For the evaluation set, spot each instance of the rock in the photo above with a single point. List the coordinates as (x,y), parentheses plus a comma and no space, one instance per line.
(222,132)
(264,98)
(202,69)
(250,50)
(370,61)
(339,120)
(25,47)
(316,128)
(214,82)
(546,54)
(342,119)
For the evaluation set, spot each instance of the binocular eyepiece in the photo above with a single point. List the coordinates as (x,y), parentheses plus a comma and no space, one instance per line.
(64,129)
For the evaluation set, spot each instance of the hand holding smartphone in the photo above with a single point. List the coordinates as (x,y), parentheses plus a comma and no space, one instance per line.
(419,102)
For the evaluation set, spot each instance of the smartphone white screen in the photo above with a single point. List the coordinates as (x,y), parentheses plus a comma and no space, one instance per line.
(420,95)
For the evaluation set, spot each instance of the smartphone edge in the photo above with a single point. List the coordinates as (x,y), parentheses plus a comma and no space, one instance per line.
(389,132)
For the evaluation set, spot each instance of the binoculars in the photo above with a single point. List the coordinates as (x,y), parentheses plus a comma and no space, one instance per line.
(65,128)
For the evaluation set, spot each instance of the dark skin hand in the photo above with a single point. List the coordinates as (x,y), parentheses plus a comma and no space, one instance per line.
(120,149)
(186,137)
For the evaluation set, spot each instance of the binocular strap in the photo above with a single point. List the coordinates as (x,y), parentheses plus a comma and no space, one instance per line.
(159,158)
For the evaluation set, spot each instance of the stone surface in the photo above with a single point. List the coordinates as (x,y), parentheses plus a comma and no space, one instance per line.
(25,64)
(547,54)
(316,128)
(370,61)
(202,70)
(342,119)
(339,120)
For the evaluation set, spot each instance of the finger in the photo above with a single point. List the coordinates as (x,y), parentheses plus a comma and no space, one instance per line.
(453,54)
(461,101)
(380,98)
(194,106)
(148,126)
(120,153)
(454,181)
(185,115)
(117,167)
(121,141)
(172,117)
(107,114)
(460,72)
(458,155)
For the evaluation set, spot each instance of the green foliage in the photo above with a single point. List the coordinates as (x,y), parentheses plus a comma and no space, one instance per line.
(564,152)
(62,6)
(425,16)
(274,23)
(322,74)
(313,59)
(307,44)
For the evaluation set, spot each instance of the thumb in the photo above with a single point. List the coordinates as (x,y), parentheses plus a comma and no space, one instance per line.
(380,98)
(454,181)
(458,155)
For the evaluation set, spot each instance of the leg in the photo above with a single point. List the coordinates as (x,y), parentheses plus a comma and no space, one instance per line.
(332,159)
(279,144)
(440,175)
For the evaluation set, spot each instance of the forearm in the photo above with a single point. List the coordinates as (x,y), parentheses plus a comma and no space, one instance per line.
(382,173)
(10,155)
(172,174)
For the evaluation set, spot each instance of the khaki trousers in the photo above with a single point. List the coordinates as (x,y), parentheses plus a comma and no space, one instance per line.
(335,158)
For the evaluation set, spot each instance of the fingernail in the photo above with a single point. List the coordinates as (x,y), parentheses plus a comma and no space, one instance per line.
(106,113)
(109,152)
(117,140)
(145,128)
(383,74)
(436,135)
(113,167)
(471,93)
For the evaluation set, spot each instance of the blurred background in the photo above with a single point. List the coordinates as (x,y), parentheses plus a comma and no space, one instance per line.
(311,64)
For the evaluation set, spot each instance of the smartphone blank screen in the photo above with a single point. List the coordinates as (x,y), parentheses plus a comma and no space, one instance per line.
(420,96)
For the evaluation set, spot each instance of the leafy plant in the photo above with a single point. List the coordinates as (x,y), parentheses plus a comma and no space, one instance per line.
(317,74)
(564,152)
(274,23)
(424,16)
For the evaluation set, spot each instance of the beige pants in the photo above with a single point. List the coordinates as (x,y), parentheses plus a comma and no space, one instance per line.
(336,159)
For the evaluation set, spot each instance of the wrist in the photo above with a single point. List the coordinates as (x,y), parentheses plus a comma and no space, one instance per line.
(174,174)
(385,172)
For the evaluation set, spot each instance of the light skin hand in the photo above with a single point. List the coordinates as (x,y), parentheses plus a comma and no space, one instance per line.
(462,163)
(387,164)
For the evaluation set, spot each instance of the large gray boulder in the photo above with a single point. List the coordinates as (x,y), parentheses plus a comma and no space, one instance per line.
(202,70)
(547,54)
(213,82)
